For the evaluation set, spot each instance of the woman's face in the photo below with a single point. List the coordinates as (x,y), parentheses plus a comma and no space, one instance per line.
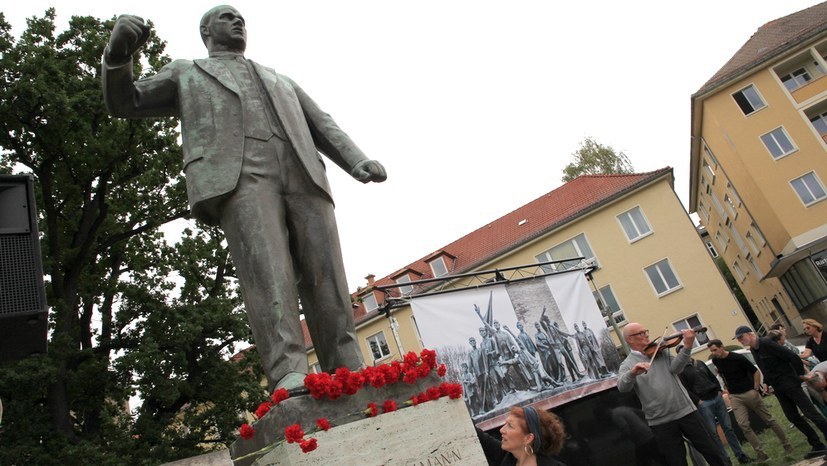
(809,330)
(515,436)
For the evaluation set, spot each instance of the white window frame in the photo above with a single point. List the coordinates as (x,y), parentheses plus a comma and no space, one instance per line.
(758,235)
(738,271)
(416,329)
(607,294)
(799,77)
(822,119)
(814,182)
(710,246)
(658,268)
(754,264)
(717,204)
(375,337)
(753,245)
(701,339)
(577,242)
(722,238)
(736,235)
(730,206)
(703,210)
(773,142)
(370,302)
(761,103)
(443,267)
(404,290)
(634,225)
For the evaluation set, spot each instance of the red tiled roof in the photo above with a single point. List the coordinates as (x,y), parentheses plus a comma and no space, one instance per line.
(541,215)
(546,213)
(769,41)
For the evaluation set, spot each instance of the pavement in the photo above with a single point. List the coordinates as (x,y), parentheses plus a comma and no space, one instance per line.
(811,462)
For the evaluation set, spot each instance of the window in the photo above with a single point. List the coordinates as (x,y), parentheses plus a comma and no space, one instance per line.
(612,307)
(662,277)
(711,248)
(820,123)
(693,321)
(749,100)
(709,170)
(756,249)
(404,290)
(754,264)
(778,143)
(737,237)
(730,206)
(809,188)
(369,300)
(703,210)
(722,238)
(378,346)
(796,79)
(717,203)
(438,267)
(575,247)
(634,224)
(738,271)
(418,335)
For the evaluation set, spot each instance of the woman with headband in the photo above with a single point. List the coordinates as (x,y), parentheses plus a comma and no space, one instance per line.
(529,437)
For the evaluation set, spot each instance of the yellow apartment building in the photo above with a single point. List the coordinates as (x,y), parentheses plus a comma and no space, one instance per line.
(652,267)
(759,165)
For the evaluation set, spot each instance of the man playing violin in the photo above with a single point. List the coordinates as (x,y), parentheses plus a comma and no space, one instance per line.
(669,410)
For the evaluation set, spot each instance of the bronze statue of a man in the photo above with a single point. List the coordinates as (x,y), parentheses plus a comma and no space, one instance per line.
(251,140)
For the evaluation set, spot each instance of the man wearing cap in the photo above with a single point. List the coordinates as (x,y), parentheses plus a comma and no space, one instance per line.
(743,383)
(784,371)
(669,410)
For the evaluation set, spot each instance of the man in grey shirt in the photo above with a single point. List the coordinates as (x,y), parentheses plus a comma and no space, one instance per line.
(669,410)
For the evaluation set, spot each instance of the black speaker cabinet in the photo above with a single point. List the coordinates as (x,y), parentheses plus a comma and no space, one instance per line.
(23,310)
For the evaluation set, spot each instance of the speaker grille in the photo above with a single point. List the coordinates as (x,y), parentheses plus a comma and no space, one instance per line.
(19,280)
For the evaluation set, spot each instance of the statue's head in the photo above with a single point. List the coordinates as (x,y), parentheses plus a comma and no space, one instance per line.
(576,328)
(496,325)
(537,325)
(584,324)
(224,29)
(520,326)
(483,332)
(473,342)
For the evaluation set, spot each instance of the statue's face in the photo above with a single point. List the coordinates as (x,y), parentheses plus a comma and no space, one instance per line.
(520,326)
(473,342)
(576,327)
(537,325)
(227,30)
(496,325)
(483,332)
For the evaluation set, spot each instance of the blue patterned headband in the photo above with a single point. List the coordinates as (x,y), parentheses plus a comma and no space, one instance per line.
(533,421)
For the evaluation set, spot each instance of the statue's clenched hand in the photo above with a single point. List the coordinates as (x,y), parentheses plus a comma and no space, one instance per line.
(128,35)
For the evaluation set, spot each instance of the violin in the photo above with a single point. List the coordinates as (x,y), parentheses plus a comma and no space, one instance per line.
(671,341)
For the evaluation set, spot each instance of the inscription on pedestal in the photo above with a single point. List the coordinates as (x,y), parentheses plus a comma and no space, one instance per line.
(440,459)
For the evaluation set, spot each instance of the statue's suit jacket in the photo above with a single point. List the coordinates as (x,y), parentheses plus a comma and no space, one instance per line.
(205,96)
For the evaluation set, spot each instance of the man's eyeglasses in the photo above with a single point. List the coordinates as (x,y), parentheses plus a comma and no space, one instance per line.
(642,333)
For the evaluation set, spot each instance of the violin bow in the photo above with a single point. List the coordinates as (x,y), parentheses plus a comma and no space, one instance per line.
(665,329)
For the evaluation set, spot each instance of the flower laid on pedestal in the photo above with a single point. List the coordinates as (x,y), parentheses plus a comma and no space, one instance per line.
(345,382)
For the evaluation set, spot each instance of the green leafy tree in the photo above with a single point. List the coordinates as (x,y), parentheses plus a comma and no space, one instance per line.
(593,158)
(129,313)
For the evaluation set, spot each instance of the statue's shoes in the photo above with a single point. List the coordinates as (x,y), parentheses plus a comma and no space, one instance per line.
(293,382)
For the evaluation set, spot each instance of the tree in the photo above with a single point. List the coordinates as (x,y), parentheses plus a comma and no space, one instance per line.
(119,322)
(593,158)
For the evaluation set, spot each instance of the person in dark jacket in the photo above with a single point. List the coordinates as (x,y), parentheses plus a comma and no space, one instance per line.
(784,371)
(529,437)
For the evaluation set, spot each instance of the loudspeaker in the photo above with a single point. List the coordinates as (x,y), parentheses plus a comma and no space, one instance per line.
(23,309)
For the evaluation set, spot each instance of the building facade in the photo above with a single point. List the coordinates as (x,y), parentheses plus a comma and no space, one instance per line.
(759,166)
(652,267)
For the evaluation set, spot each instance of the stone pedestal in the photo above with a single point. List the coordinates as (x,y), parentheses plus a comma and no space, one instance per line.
(431,434)
(434,433)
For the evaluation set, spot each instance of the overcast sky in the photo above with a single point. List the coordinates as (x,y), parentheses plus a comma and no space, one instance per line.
(474,107)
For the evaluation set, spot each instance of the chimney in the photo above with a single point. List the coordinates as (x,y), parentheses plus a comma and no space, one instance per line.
(370,278)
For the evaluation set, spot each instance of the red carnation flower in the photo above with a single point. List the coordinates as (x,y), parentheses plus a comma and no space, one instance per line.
(432,393)
(372,410)
(410,376)
(308,445)
(428,357)
(411,359)
(293,433)
(451,390)
(246,431)
(388,406)
(414,400)
(279,395)
(441,370)
(263,409)
(323,424)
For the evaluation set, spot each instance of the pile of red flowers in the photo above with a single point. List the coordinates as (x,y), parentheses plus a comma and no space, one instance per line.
(412,368)
(343,381)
